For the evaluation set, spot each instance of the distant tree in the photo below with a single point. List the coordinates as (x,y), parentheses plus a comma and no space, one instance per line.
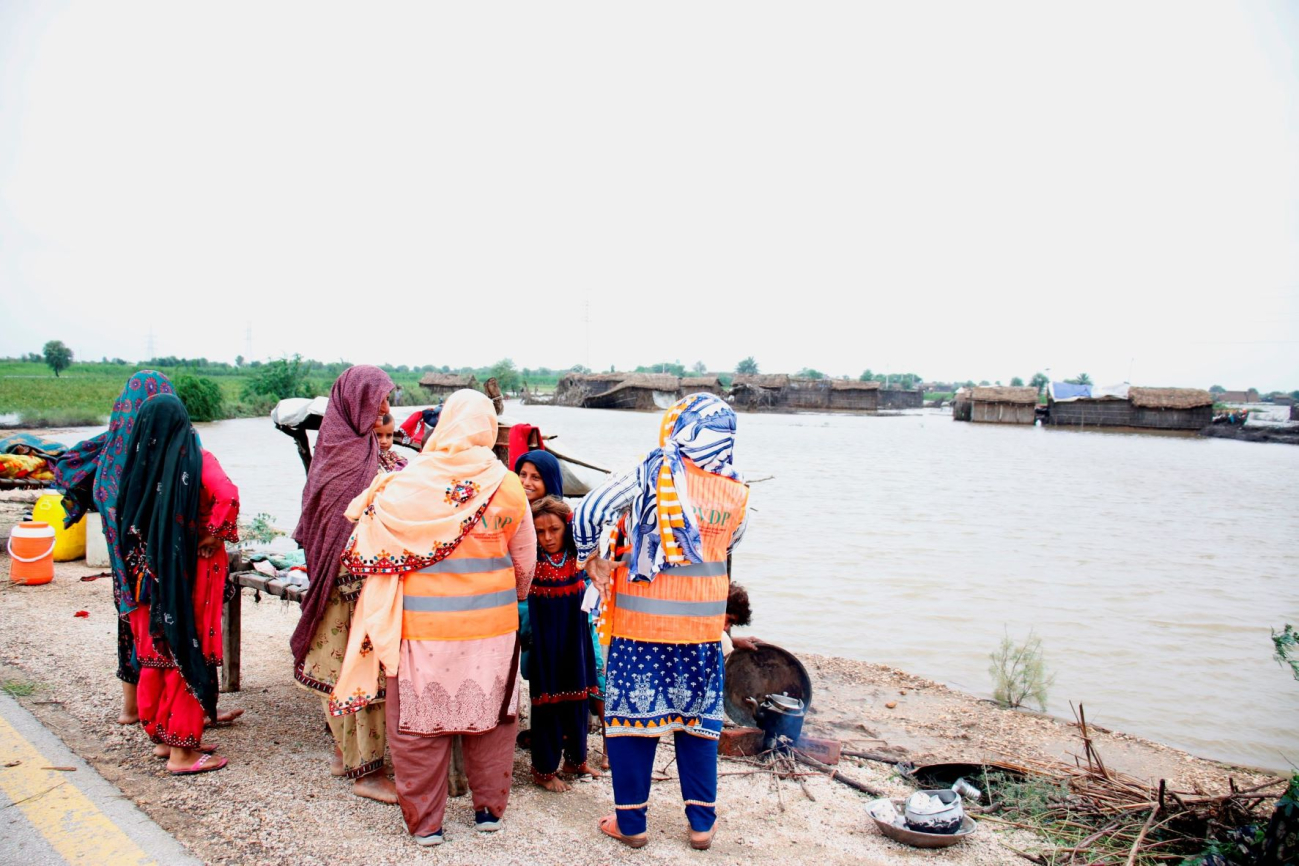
(579,368)
(699,368)
(1295,394)
(1080,379)
(506,375)
(674,369)
(809,373)
(403,368)
(202,398)
(1039,381)
(747,367)
(1016,382)
(1216,389)
(58,357)
(867,376)
(985,382)
(239,360)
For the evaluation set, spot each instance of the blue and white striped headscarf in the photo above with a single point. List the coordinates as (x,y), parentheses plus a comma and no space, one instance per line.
(664,530)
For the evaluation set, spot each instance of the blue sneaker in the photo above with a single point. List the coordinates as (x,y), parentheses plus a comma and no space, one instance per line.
(486,821)
(430,840)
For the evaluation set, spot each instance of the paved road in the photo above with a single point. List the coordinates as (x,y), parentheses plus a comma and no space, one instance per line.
(53,817)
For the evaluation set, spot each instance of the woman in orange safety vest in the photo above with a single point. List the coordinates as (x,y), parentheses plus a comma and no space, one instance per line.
(664,605)
(449,549)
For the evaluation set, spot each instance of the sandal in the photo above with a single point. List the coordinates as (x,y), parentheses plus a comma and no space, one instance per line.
(205,764)
(609,827)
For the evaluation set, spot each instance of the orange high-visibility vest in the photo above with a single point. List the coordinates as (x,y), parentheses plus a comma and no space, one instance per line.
(686,603)
(472,593)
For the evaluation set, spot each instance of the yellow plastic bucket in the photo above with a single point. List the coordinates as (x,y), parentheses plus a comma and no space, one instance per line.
(70,543)
(31,547)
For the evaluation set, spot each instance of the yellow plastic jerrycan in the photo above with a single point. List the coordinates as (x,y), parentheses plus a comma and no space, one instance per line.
(70,543)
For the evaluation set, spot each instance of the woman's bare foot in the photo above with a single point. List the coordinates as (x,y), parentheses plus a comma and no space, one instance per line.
(376,786)
(583,769)
(553,784)
(227,717)
(130,707)
(336,766)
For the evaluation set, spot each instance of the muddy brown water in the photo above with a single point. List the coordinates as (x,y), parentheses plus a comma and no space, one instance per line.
(1152,567)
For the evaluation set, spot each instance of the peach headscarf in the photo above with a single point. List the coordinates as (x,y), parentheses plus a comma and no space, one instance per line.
(409,520)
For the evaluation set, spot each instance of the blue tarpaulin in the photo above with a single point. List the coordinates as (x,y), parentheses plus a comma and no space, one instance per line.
(1061,391)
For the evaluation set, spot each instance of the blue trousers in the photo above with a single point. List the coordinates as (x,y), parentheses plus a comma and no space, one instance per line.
(631,761)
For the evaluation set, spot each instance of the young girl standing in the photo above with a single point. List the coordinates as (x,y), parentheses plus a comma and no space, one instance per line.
(562,677)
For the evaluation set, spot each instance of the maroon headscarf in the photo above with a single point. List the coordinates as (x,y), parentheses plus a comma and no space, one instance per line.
(346,461)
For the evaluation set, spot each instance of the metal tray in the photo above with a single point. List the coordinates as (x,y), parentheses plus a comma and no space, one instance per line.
(924,840)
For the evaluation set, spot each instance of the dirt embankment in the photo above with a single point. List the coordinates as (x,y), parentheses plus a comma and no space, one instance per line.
(277,804)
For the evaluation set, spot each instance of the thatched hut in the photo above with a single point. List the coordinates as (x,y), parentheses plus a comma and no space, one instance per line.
(574,388)
(1171,408)
(759,391)
(962,408)
(440,385)
(639,392)
(1109,411)
(807,395)
(896,398)
(998,404)
(847,395)
(702,385)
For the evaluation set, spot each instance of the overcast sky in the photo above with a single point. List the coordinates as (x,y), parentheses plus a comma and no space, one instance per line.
(972,190)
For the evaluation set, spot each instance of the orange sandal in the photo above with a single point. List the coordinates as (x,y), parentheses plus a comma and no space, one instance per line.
(609,827)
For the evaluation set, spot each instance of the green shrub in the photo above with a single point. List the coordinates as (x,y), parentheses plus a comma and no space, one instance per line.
(1019,672)
(280,380)
(201,396)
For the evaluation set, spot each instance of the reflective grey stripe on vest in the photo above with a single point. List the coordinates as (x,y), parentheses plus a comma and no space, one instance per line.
(449,603)
(690,569)
(468,565)
(662,607)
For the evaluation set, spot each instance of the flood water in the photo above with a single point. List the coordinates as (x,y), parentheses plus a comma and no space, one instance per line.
(1152,567)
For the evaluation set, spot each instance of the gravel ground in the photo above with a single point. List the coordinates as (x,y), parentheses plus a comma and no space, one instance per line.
(277,804)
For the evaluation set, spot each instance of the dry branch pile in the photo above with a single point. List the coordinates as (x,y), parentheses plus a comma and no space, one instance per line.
(1091,814)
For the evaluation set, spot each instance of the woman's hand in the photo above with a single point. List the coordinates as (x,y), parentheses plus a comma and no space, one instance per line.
(600,571)
(207,546)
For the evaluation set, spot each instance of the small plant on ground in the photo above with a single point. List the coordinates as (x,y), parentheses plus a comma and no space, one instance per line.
(1019,672)
(18,688)
(261,529)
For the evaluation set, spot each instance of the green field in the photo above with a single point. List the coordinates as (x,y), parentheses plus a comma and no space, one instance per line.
(84,393)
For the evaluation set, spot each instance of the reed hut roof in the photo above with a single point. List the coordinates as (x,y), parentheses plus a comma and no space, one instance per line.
(1169,398)
(651,381)
(1003,394)
(700,382)
(773,381)
(448,380)
(853,385)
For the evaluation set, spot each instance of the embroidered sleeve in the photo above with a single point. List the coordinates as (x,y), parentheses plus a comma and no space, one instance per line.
(220,502)
(600,509)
